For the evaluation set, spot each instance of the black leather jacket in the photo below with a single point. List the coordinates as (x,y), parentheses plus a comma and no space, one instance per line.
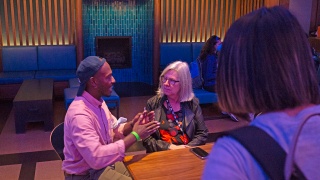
(193,124)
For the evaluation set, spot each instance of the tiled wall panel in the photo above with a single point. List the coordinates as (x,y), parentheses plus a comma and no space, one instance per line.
(122,18)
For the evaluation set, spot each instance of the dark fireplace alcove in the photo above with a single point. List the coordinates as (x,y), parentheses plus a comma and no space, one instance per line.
(116,50)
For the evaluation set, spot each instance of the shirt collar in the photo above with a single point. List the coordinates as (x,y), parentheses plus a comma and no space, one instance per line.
(96,103)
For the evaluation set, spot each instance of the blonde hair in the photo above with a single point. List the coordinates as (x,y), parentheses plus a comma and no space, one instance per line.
(182,68)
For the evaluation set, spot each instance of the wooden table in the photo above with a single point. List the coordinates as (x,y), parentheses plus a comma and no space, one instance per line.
(315,42)
(33,103)
(171,164)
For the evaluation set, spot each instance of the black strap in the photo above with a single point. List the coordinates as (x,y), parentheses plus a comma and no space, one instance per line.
(265,150)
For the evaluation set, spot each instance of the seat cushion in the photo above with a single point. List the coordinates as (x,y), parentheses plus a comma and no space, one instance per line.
(19,58)
(71,93)
(74,82)
(170,52)
(196,49)
(15,77)
(57,75)
(205,96)
(57,57)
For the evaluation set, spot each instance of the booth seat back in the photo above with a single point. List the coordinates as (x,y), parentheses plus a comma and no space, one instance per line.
(170,52)
(196,49)
(19,58)
(56,57)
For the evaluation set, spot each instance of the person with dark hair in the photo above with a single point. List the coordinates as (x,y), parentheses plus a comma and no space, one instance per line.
(208,57)
(266,66)
(89,128)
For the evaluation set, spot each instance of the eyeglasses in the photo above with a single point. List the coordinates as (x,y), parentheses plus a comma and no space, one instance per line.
(171,81)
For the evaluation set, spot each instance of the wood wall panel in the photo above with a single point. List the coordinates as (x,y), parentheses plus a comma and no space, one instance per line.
(38,22)
(1,44)
(167,20)
(44,25)
(73,26)
(19,23)
(56,20)
(161,22)
(13,23)
(50,21)
(315,15)
(62,22)
(206,20)
(172,21)
(26,21)
(29,20)
(200,19)
(68,20)
(196,22)
(186,20)
(181,19)
(6,18)
(177,22)
(211,18)
(191,19)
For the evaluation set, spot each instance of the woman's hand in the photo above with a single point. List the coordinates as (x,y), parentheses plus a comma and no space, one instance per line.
(173,147)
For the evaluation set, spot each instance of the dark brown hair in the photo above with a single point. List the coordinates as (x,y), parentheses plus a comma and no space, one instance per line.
(266,64)
(208,48)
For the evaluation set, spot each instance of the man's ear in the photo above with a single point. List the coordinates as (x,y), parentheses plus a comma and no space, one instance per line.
(92,81)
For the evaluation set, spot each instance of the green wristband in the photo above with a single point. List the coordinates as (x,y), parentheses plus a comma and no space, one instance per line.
(136,135)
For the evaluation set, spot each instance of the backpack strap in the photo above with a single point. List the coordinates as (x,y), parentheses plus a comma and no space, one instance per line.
(264,149)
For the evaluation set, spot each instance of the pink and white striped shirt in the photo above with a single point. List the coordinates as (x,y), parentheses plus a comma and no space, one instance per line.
(88,137)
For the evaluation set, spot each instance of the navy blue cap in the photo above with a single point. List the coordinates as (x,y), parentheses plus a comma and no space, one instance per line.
(87,69)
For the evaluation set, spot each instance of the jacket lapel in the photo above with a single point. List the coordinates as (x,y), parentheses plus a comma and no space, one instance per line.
(189,115)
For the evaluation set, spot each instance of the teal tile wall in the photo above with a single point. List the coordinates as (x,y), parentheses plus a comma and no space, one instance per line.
(122,18)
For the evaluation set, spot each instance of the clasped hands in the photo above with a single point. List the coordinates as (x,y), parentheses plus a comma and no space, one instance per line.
(144,125)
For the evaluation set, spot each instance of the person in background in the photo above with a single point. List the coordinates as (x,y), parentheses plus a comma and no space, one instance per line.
(89,128)
(208,57)
(178,111)
(266,66)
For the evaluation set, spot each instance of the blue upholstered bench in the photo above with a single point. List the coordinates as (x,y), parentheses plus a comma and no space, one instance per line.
(19,63)
(29,62)
(196,49)
(205,96)
(170,52)
(74,82)
(112,101)
(57,62)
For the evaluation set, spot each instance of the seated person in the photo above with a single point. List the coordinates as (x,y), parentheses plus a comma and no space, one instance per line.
(266,66)
(208,57)
(89,128)
(178,111)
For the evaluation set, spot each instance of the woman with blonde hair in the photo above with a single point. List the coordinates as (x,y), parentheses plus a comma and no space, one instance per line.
(266,66)
(177,110)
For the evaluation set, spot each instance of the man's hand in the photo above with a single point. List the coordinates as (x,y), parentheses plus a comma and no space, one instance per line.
(173,147)
(144,130)
(148,117)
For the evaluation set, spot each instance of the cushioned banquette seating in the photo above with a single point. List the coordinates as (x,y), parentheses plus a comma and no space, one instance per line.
(71,92)
(29,62)
(187,52)
(57,62)
(19,63)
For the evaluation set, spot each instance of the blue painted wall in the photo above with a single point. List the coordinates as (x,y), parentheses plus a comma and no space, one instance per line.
(122,18)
